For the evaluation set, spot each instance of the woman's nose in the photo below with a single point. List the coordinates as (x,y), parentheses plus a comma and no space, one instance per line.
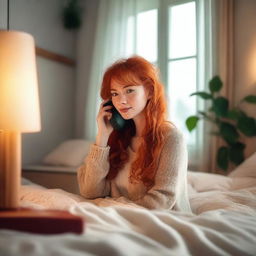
(122,99)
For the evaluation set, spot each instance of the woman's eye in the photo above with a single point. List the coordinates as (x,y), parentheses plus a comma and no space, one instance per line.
(113,94)
(129,90)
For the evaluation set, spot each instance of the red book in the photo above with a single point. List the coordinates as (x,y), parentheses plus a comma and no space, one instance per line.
(41,221)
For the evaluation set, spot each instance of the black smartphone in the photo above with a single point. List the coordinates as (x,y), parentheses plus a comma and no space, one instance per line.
(117,121)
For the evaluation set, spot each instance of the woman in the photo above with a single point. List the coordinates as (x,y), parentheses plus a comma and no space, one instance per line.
(146,161)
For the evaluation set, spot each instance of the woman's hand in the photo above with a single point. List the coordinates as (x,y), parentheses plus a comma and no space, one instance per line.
(104,126)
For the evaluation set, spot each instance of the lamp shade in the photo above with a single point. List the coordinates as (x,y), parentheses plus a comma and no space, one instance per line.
(19,99)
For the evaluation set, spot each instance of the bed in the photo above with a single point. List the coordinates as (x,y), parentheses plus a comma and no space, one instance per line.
(223,221)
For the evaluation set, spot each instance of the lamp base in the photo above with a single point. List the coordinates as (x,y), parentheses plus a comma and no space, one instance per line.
(41,221)
(10,169)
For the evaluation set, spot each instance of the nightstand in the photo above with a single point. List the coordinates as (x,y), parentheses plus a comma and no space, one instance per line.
(41,221)
(52,177)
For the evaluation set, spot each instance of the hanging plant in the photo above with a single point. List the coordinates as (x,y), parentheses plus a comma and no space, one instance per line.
(229,123)
(72,15)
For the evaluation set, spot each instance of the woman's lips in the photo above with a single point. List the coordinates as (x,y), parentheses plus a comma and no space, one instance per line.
(124,110)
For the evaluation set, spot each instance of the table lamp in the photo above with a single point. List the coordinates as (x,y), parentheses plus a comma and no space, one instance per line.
(19,113)
(19,109)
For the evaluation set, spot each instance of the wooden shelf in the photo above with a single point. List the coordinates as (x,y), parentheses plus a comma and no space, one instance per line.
(55,57)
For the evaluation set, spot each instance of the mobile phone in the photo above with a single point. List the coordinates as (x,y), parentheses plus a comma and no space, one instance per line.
(117,121)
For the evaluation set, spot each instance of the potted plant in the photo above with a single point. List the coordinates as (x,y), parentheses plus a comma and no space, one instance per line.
(72,15)
(230,123)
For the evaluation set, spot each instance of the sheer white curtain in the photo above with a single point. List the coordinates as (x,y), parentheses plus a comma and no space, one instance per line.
(216,44)
(224,62)
(110,45)
(199,155)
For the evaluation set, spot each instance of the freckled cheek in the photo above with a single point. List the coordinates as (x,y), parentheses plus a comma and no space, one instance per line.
(133,98)
(114,101)
(130,98)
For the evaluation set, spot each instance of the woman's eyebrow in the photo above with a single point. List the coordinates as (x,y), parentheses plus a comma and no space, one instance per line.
(122,87)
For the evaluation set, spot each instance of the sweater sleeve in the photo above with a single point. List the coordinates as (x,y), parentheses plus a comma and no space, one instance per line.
(170,175)
(92,174)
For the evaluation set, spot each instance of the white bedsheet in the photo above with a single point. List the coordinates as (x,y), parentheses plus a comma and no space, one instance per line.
(223,223)
(136,231)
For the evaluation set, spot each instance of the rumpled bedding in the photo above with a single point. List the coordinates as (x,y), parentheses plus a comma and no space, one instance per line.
(212,191)
(223,222)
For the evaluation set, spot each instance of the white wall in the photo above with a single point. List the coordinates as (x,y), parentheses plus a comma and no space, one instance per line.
(3,14)
(56,92)
(245,58)
(43,19)
(85,47)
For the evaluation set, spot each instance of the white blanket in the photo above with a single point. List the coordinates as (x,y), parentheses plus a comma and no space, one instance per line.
(223,223)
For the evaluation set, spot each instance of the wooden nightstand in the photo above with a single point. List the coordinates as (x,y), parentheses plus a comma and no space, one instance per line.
(52,177)
(41,221)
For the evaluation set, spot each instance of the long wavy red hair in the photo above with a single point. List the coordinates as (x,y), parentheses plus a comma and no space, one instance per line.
(136,71)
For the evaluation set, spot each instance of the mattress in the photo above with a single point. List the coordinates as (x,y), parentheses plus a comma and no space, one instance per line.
(223,222)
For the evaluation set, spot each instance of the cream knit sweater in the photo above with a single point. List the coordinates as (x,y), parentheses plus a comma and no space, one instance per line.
(169,190)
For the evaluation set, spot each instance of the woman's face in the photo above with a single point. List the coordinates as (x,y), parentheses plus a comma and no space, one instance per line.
(129,100)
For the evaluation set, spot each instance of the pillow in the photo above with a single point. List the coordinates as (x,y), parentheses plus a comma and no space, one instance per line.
(246,169)
(201,181)
(68,153)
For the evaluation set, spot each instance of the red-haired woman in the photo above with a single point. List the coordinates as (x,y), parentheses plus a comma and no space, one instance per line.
(146,161)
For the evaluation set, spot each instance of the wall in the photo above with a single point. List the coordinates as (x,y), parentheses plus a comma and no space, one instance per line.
(56,92)
(57,87)
(43,19)
(245,58)
(85,47)
(3,14)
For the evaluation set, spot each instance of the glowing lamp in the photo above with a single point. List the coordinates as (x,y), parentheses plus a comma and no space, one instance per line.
(19,109)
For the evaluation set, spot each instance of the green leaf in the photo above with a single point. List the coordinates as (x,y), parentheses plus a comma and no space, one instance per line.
(222,158)
(234,114)
(203,95)
(250,99)
(220,106)
(247,125)
(236,153)
(191,122)
(229,132)
(215,84)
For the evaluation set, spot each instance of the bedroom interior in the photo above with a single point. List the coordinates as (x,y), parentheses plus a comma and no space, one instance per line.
(223,203)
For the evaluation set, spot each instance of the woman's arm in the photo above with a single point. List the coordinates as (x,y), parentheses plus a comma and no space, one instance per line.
(171,176)
(92,175)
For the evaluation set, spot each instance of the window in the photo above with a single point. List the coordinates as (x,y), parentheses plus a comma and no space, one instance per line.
(142,31)
(182,64)
(147,35)
(166,33)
